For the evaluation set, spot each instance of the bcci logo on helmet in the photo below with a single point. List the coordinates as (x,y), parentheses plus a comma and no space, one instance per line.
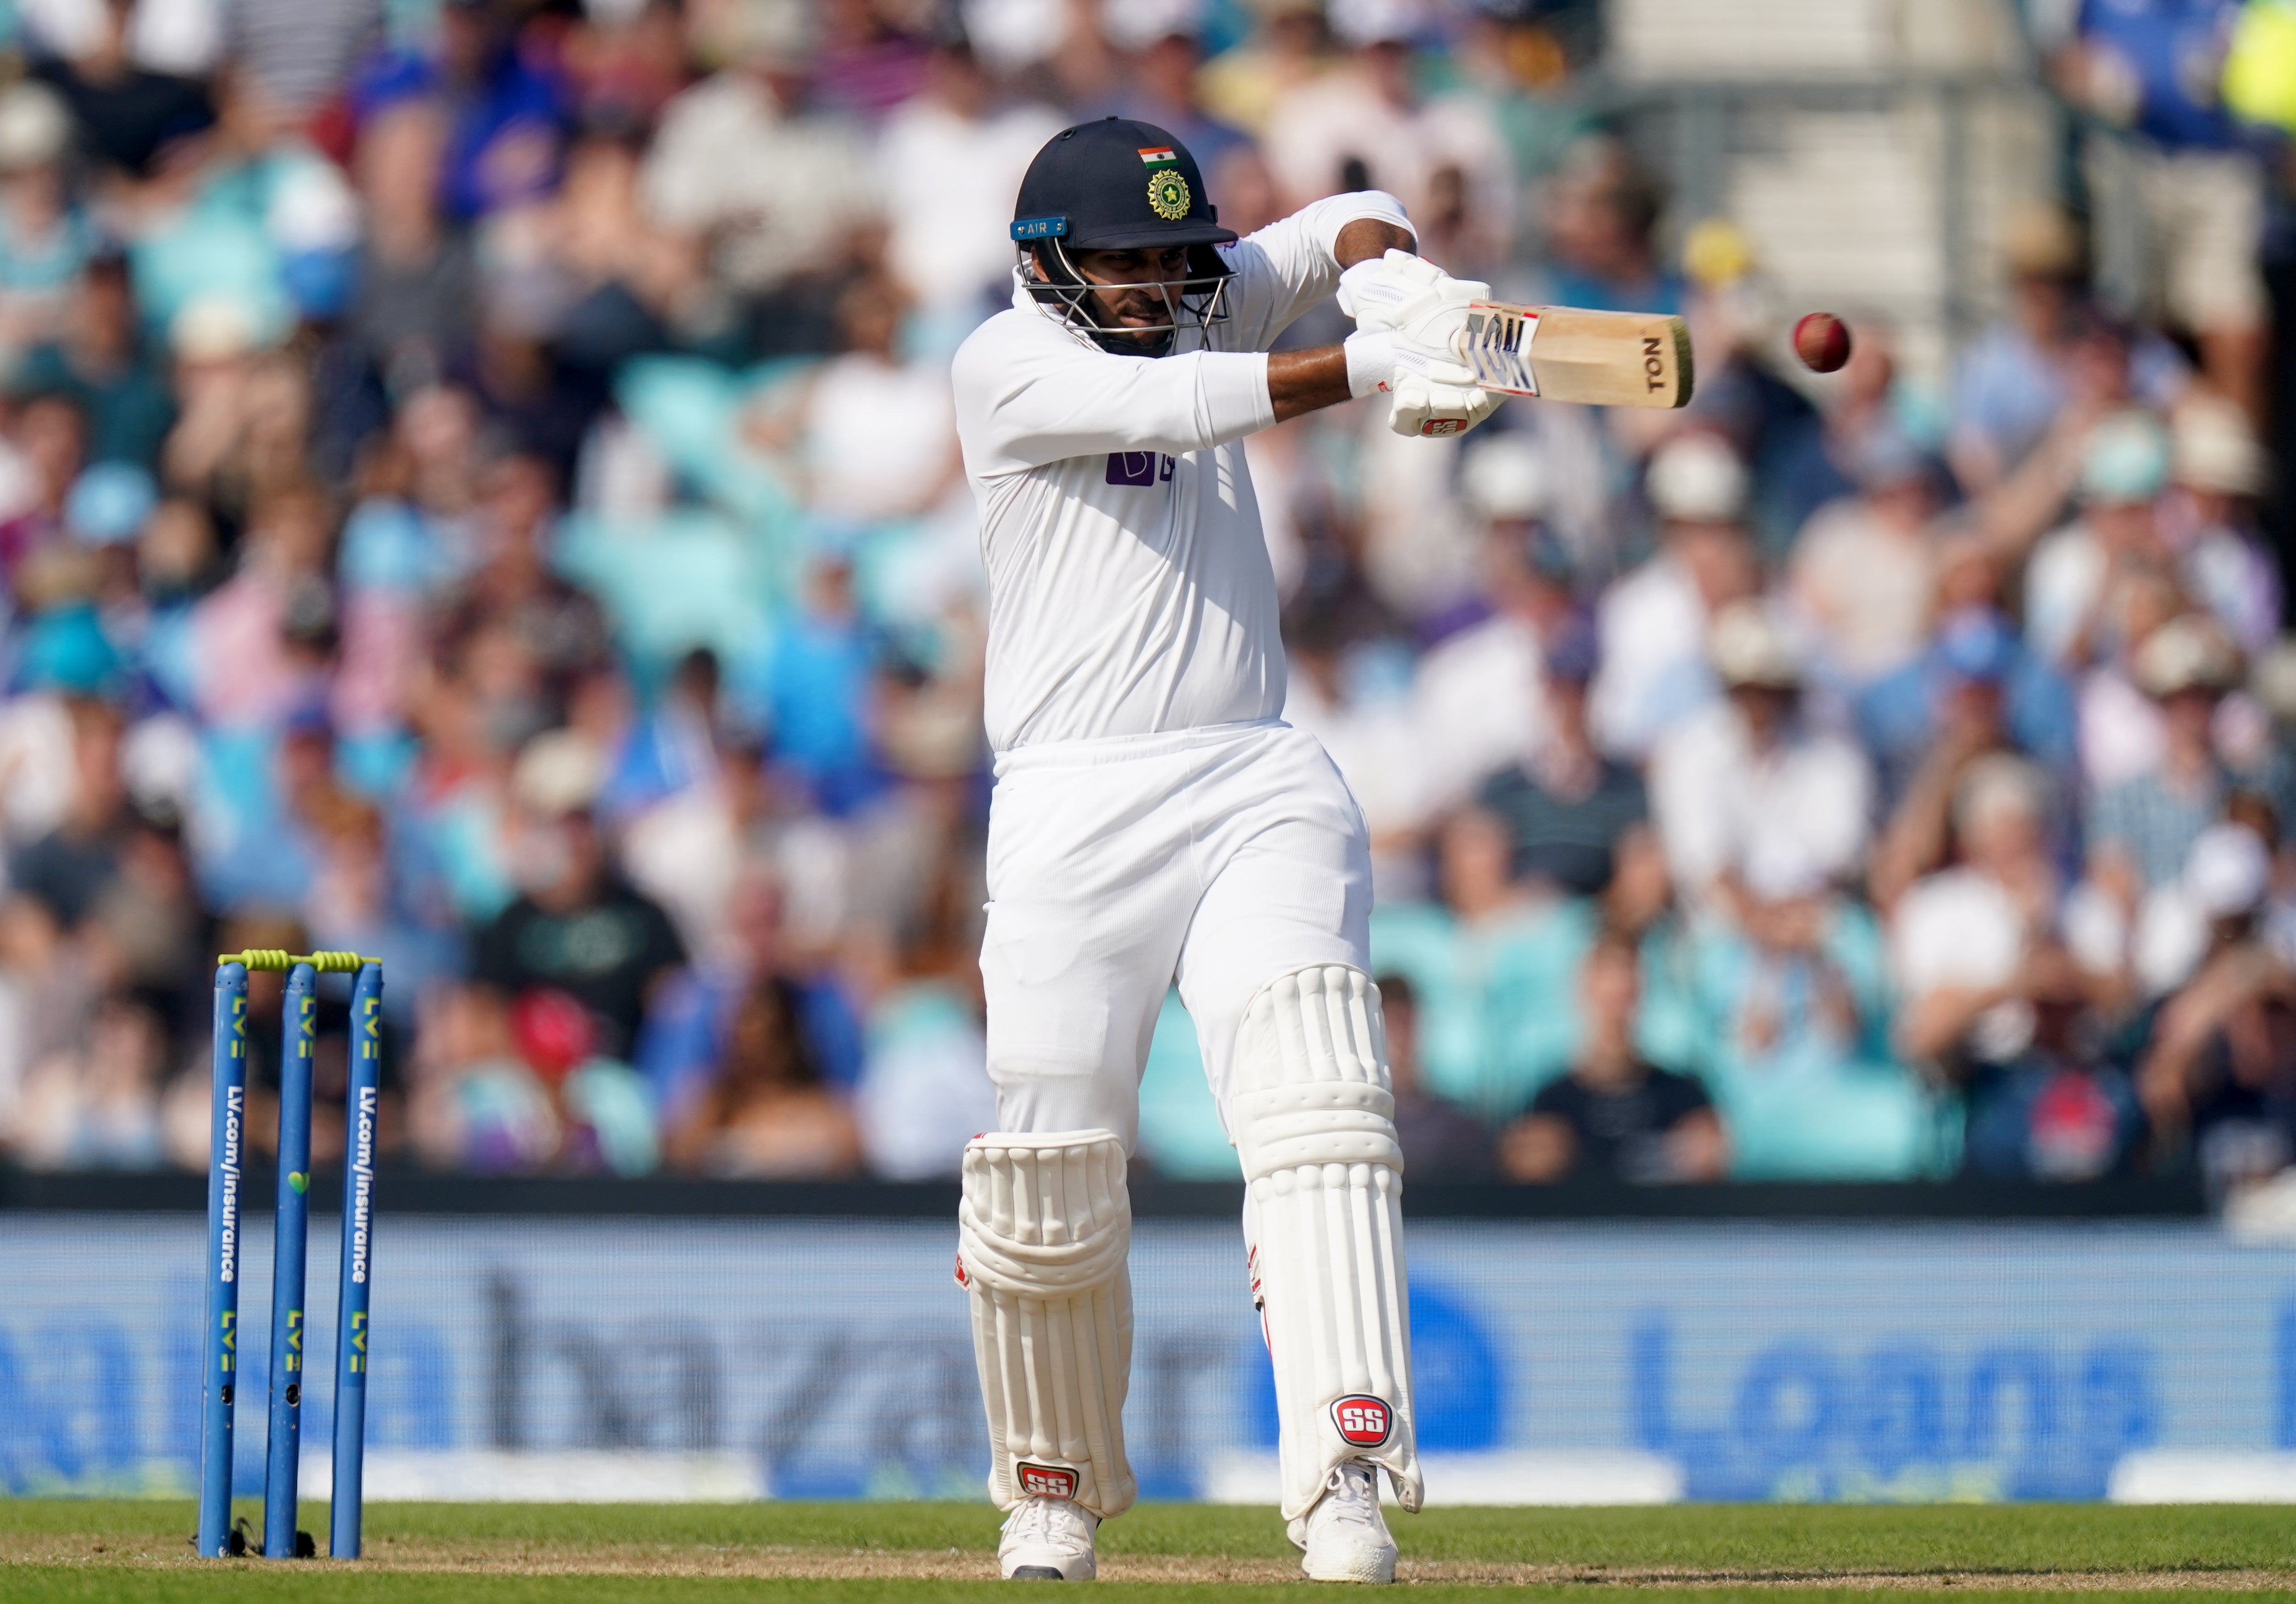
(1363,1420)
(1046,1481)
(1168,196)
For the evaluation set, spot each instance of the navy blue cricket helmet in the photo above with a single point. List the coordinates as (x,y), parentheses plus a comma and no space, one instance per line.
(1120,185)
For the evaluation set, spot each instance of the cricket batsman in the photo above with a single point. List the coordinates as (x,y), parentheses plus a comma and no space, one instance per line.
(1155,819)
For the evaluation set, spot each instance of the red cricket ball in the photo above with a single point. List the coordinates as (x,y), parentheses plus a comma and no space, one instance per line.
(1822,342)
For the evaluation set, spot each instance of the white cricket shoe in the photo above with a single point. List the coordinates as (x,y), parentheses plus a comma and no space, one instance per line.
(1047,1540)
(1344,1534)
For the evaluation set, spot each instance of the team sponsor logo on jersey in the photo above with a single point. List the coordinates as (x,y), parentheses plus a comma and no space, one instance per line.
(1168,196)
(1046,1481)
(1138,467)
(1363,1419)
(1152,154)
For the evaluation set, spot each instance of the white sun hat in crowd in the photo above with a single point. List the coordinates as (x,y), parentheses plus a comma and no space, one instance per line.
(2272,681)
(1136,24)
(2212,448)
(1504,479)
(2228,871)
(1752,650)
(35,126)
(1361,22)
(214,326)
(2187,654)
(1697,479)
(559,773)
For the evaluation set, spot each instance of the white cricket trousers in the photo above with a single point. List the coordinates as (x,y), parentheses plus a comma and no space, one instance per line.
(1219,857)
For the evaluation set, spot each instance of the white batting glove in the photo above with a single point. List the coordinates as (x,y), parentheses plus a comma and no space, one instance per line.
(1383,292)
(1378,282)
(1412,297)
(1428,395)
(1428,400)
(1428,407)
(1410,317)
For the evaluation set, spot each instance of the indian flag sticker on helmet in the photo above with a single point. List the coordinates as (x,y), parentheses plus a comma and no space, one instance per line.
(1153,154)
(1168,196)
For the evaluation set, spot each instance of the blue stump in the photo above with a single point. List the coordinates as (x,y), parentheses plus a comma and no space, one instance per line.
(355,1273)
(283,1445)
(220,1335)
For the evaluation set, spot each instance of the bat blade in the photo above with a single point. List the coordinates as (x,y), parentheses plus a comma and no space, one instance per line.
(1564,354)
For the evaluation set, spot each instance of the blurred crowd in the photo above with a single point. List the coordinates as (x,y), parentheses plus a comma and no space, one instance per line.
(478,487)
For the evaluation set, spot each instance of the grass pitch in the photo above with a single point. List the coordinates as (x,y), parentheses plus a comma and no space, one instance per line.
(886,1553)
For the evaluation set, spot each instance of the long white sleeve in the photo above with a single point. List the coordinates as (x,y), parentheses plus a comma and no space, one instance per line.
(1041,395)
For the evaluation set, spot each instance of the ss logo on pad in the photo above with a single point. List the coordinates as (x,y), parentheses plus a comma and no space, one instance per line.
(1363,1419)
(1046,1481)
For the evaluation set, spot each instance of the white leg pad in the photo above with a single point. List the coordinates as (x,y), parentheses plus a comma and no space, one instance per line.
(1313,1122)
(1043,1230)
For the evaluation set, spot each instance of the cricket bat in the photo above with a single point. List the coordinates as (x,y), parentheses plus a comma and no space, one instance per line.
(1563,354)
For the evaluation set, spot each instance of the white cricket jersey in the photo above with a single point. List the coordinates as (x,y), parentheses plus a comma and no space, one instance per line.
(1129,580)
